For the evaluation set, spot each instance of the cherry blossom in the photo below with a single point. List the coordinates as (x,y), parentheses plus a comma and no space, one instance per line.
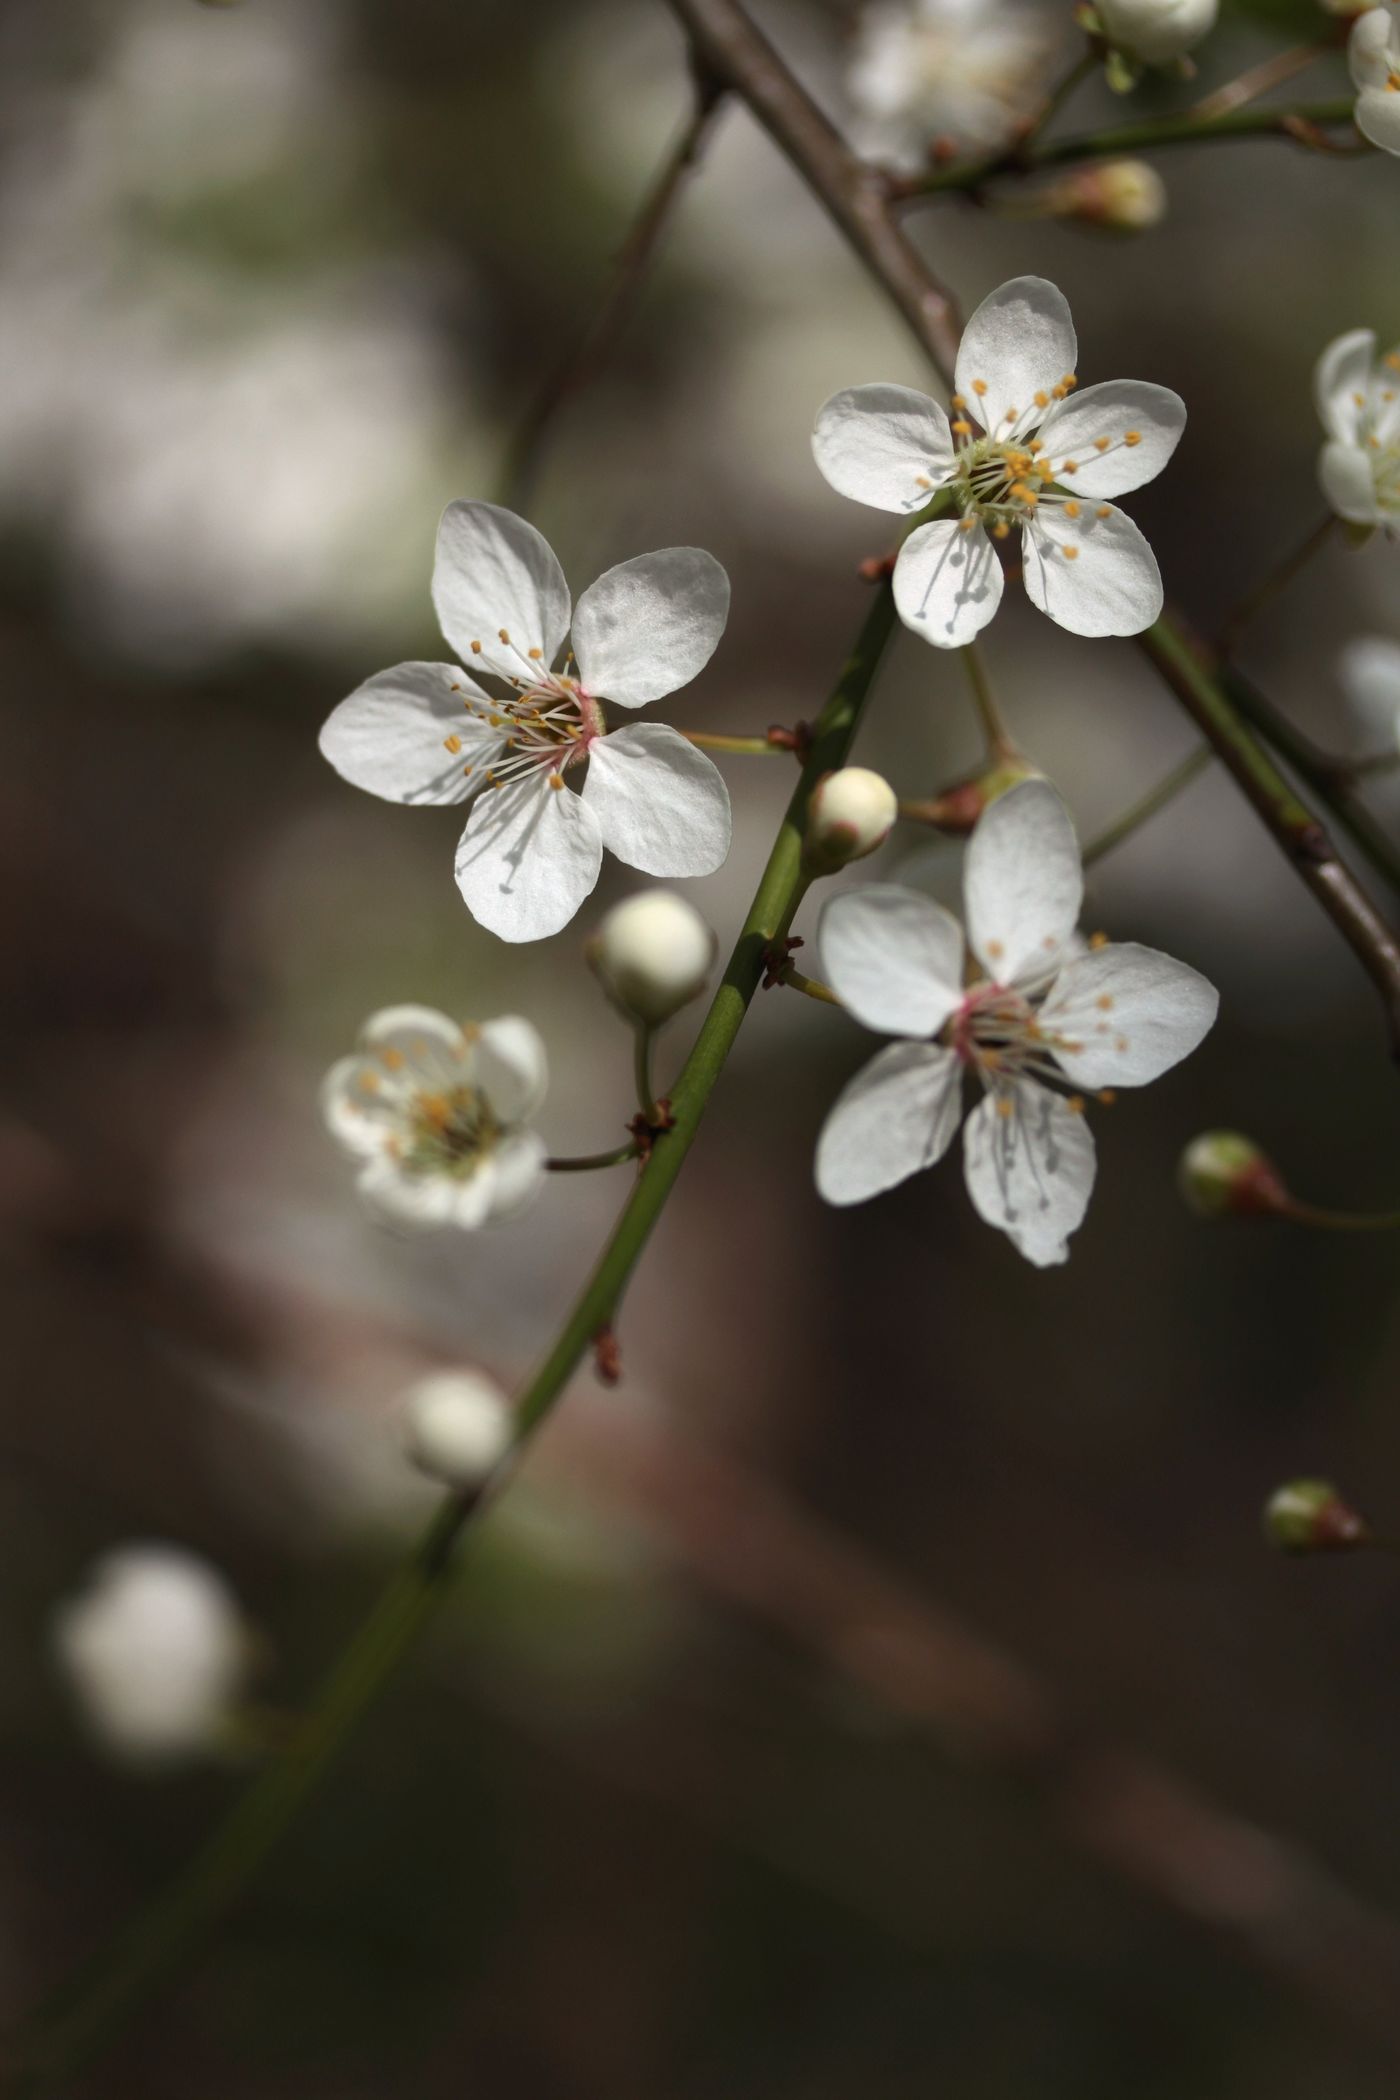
(1024,453)
(964,70)
(1358,399)
(1374,56)
(1020,1006)
(516,736)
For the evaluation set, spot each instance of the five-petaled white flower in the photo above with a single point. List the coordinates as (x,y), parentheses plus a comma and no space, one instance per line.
(1358,399)
(513,738)
(1374,55)
(1034,1011)
(440,1116)
(928,69)
(1022,453)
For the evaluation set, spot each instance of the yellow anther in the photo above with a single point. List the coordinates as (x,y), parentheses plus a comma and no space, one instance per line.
(1075,1104)
(957,401)
(1359,399)
(556,780)
(369,1082)
(962,429)
(1071,553)
(1042,399)
(452,744)
(391,1059)
(535,655)
(1036,445)
(502,633)
(1105,510)
(1071,466)
(1107,1096)
(476,648)
(1001,530)
(1102,444)
(1059,392)
(1070,382)
(1132,437)
(1024,493)
(967,524)
(921,481)
(1098,940)
(995,950)
(979,387)
(1105,1002)
(1072,510)
(466,769)
(1393,360)
(1004,1105)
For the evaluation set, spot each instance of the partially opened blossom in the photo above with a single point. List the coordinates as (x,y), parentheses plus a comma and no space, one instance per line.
(1025,454)
(1358,399)
(1374,55)
(439,1116)
(156,1652)
(528,726)
(1021,1007)
(923,70)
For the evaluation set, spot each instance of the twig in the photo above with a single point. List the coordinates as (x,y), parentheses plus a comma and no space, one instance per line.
(593,347)
(1257,80)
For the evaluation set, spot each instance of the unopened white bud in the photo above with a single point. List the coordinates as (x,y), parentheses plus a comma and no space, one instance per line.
(653,954)
(1157,31)
(156,1651)
(851,813)
(457,1427)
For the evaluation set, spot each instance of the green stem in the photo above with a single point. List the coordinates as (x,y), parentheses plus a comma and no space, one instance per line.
(1148,805)
(644,1035)
(747,746)
(588,1162)
(1341,1220)
(999,741)
(127,1975)
(1183,130)
(812,986)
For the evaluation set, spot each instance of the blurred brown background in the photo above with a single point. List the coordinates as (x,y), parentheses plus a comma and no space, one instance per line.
(277,281)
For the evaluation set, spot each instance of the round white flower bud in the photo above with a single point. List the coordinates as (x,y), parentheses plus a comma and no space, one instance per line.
(1157,31)
(457,1427)
(1122,196)
(156,1651)
(851,813)
(653,953)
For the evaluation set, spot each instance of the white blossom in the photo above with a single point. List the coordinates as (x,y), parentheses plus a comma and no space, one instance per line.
(964,70)
(439,1116)
(515,737)
(1358,399)
(653,954)
(1024,453)
(1374,55)
(1157,31)
(155,1650)
(1036,1012)
(457,1427)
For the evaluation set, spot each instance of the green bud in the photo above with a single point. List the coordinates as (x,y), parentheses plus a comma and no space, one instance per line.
(1225,1174)
(1309,1516)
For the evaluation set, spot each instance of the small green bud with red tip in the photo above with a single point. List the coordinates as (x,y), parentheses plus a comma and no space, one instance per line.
(1310,1516)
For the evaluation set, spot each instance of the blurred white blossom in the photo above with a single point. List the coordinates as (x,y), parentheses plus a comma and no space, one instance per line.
(1358,399)
(965,70)
(1374,54)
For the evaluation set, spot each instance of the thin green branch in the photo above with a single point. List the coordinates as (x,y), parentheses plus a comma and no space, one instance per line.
(999,741)
(127,1976)
(591,1162)
(812,986)
(643,1036)
(1187,129)
(1138,813)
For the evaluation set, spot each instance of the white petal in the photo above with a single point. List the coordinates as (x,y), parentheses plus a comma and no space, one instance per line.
(947,583)
(1093,574)
(1346,478)
(1341,383)
(1378,117)
(1022,884)
(1370,675)
(1134,1012)
(1074,431)
(360,1113)
(1369,48)
(494,572)
(893,958)
(418,1039)
(660,804)
(895,1117)
(1020,342)
(423,1202)
(1030,1172)
(519,1174)
(529,856)
(887,446)
(649,626)
(406,735)
(509,1064)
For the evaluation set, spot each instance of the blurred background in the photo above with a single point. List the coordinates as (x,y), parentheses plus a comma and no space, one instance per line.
(885,1690)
